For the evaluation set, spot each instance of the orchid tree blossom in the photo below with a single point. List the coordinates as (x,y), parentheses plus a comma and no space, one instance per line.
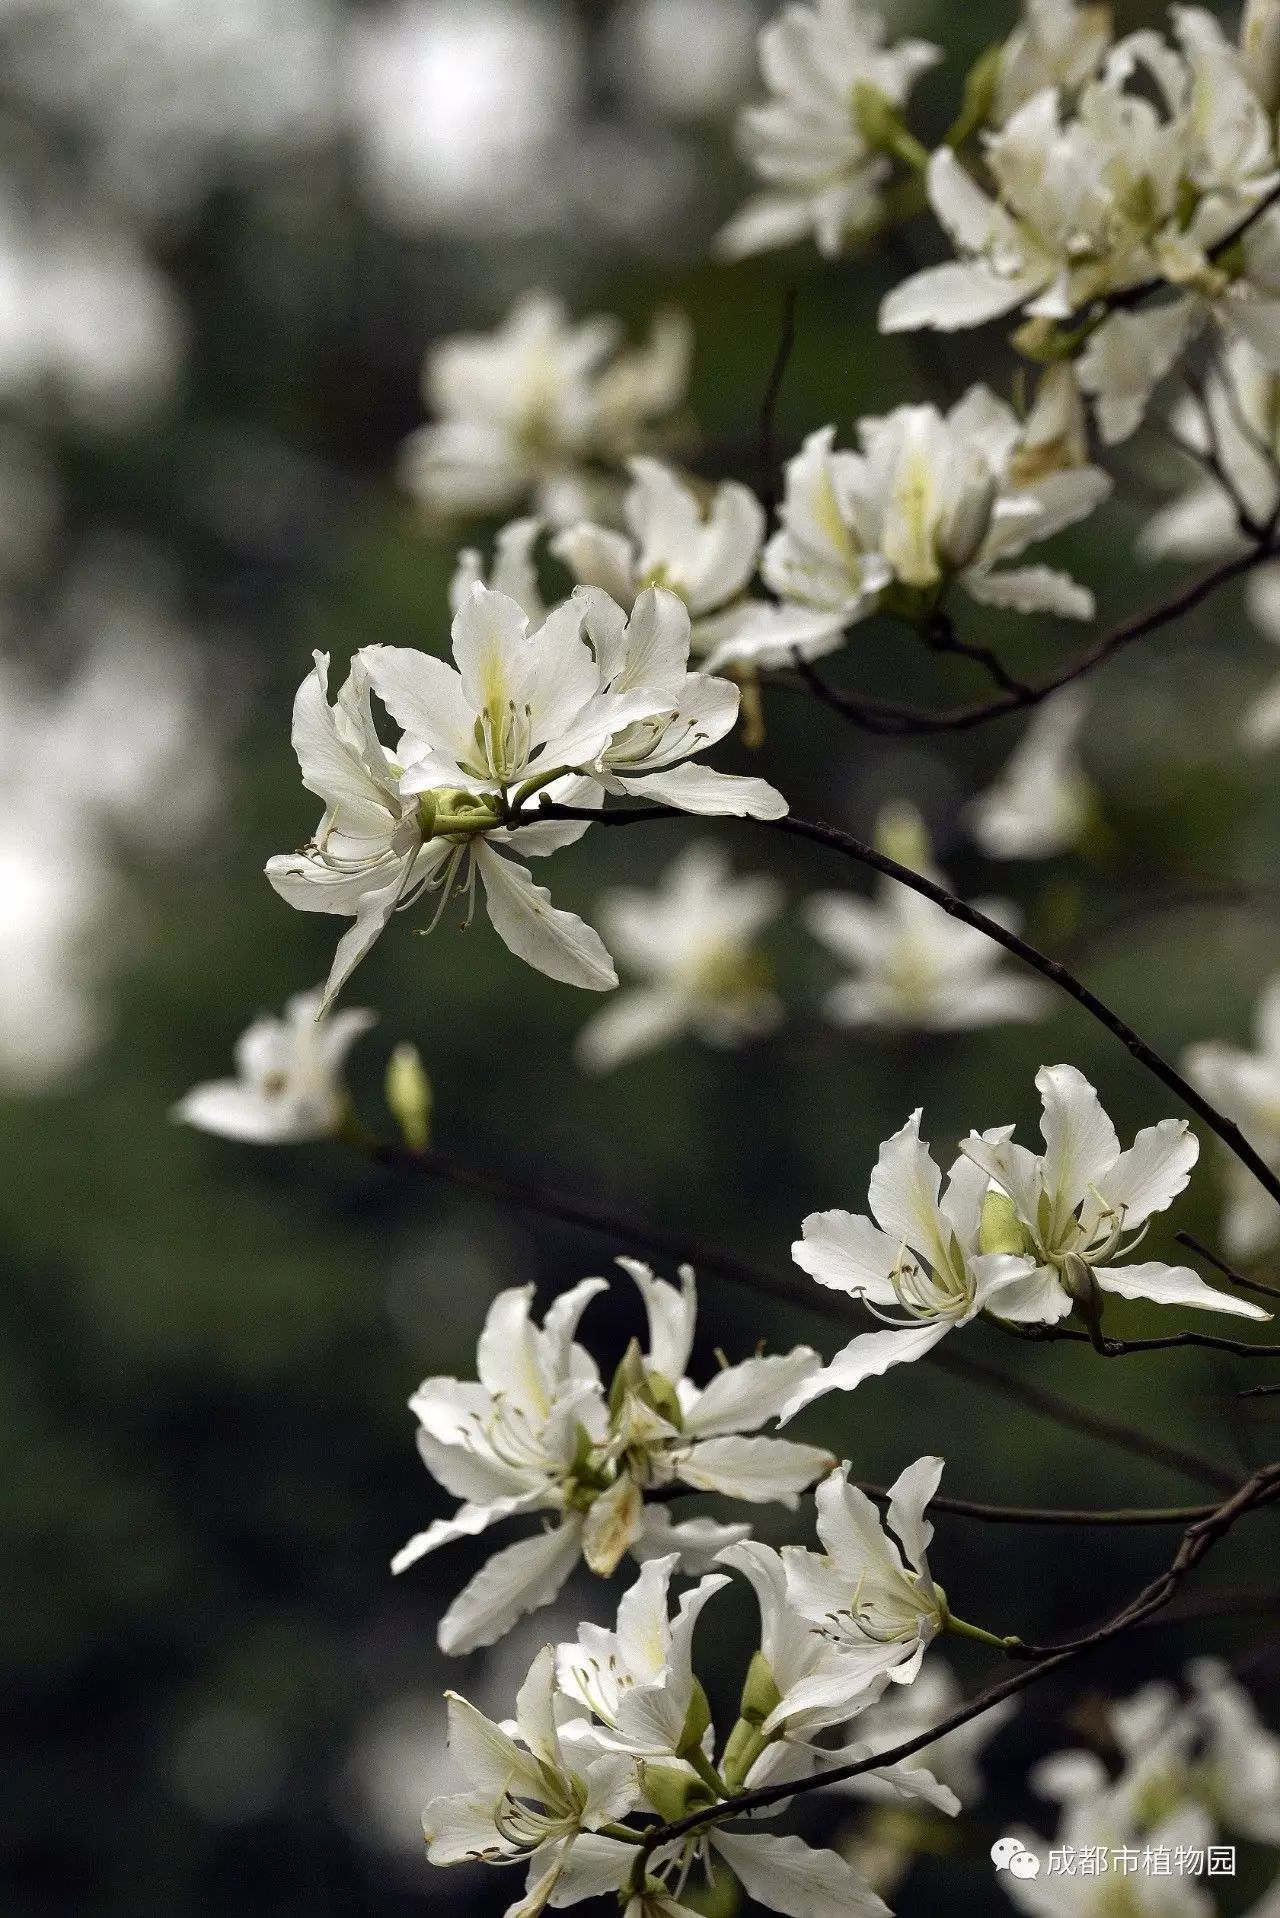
(288,1085)
(922,1265)
(931,500)
(638,1688)
(532,1791)
(821,142)
(540,408)
(1163,155)
(538,1432)
(1057,43)
(874,1599)
(914,967)
(1080,1208)
(512,571)
(705,549)
(1246,1086)
(693,944)
(1239,427)
(1042,801)
(800,1685)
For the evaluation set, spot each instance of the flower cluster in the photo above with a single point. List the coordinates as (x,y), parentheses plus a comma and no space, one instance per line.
(589,701)
(616,1726)
(539,1431)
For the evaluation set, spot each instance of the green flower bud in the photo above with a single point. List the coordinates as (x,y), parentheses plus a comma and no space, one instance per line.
(408,1092)
(696,1721)
(672,1791)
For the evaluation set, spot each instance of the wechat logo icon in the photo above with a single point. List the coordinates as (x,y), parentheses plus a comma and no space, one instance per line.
(1011,1855)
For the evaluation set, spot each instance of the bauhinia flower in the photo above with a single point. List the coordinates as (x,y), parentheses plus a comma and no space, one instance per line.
(873,1598)
(541,408)
(931,501)
(1081,1207)
(1239,426)
(705,549)
(288,1085)
(822,142)
(513,570)
(693,943)
(639,1689)
(1144,182)
(914,966)
(1042,801)
(1246,1086)
(588,700)
(540,1433)
(921,1265)
(799,1685)
(1056,44)
(531,1794)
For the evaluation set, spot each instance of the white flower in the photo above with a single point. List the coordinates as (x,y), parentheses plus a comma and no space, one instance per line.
(1042,800)
(637,1682)
(1164,155)
(914,966)
(1075,1202)
(289,1078)
(704,551)
(800,1684)
(1260,50)
(646,659)
(1056,44)
(539,1432)
(931,499)
(1101,1827)
(1246,1086)
(534,407)
(1242,398)
(823,168)
(922,1265)
(693,943)
(532,1793)
(513,571)
(873,1598)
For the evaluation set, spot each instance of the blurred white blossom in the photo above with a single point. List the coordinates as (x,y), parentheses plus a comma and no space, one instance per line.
(693,942)
(289,1077)
(1042,801)
(1246,1086)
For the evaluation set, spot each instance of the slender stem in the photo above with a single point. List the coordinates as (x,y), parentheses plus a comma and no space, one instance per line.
(1051,1515)
(882,716)
(706,1771)
(769,403)
(978,1634)
(502,1189)
(955,908)
(1228,1271)
(1197,1541)
(1124,1348)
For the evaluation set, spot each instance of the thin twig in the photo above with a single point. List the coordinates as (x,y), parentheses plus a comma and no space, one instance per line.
(940,636)
(955,908)
(1197,1541)
(769,404)
(1228,1271)
(1051,1515)
(527,1196)
(1124,1348)
(885,717)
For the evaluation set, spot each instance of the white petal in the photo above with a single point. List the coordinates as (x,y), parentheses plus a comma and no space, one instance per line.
(1151,1174)
(516,1580)
(637,1021)
(867,1357)
(467,1522)
(908,1496)
(742,1398)
(1031,589)
(761,1470)
(1080,1140)
(947,298)
(235,1111)
(698,789)
(1173,1285)
(485,1754)
(847,1252)
(595,1867)
(904,1189)
(788,1876)
(553,942)
(672,1315)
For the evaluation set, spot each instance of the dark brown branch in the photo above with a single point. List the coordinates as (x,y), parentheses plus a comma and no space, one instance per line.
(1197,1541)
(769,405)
(1124,1348)
(1051,1515)
(940,636)
(1051,969)
(884,717)
(1228,1271)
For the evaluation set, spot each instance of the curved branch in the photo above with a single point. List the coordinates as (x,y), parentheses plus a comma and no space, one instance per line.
(883,716)
(1228,1271)
(1123,1348)
(523,1194)
(1197,1541)
(955,908)
(1053,1515)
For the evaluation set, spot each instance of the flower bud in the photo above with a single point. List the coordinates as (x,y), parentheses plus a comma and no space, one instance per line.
(408,1092)
(965,526)
(612,1526)
(1260,48)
